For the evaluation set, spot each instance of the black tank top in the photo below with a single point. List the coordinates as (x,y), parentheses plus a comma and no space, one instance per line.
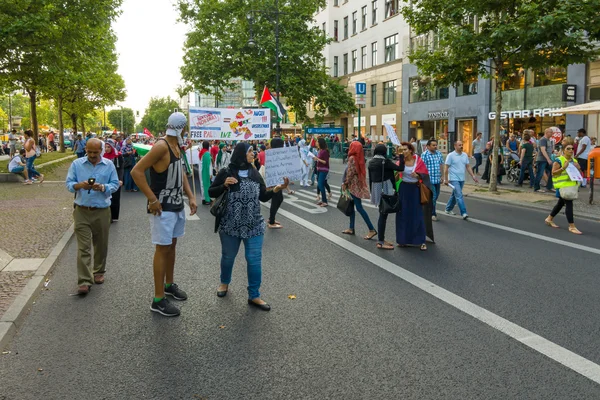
(167,186)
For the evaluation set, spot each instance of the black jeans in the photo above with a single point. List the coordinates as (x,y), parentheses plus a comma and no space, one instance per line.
(276,202)
(569,209)
(381,224)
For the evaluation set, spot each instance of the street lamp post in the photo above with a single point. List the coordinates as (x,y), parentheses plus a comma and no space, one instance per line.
(252,43)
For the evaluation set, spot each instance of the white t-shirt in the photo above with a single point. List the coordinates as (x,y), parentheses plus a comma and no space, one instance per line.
(457,163)
(12,140)
(585,140)
(15,162)
(478,146)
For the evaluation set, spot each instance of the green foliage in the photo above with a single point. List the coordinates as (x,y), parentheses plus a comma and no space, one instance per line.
(157,114)
(508,35)
(216,50)
(114,117)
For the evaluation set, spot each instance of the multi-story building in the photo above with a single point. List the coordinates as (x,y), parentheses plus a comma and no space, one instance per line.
(242,95)
(370,44)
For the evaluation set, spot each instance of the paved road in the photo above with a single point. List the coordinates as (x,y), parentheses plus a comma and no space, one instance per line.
(489,312)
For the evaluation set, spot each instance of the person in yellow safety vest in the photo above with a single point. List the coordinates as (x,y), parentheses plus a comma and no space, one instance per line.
(561,179)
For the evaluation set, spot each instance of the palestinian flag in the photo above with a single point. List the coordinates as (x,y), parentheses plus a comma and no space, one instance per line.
(267,100)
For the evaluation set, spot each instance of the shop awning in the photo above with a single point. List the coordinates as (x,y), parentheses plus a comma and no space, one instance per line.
(584,109)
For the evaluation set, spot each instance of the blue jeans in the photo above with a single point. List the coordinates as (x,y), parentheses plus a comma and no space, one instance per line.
(128,180)
(361,211)
(435,195)
(526,165)
(314,172)
(80,155)
(31,169)
(322,178)
(457,197)
(253,249)
(541,167)
(478,162)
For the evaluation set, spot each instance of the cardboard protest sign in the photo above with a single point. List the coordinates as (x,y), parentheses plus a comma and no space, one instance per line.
(281,163)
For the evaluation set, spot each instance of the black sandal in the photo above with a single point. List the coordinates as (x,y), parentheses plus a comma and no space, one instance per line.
(371,235)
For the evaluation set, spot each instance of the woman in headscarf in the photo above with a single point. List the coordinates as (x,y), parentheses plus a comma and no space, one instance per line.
(111,153)
(382,181)
(305,160)
(355,181)
(206,163)
(242,221)
(128,163)
(223,157)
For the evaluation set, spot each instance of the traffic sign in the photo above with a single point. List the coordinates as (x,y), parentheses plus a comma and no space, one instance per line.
(361,88)
(556,135)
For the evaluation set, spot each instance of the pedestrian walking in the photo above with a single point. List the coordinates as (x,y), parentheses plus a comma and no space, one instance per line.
(434,161)
(31,152)
(355,181)
(583,151)
(322,159)
(168,182)
(544,161)
(561,179)
(242,220)
(128,164)
(526,160)
(79,147)
(111,153)
(410,221)
(382,181)
(277,198)
(223,157)
(305,162)
(454,176)
(93,179)
(206,162)
(478,149)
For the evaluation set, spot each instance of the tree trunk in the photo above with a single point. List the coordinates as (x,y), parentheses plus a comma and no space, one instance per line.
(498,90)
(61,135)
(82,119)
(74,122)
(33,112)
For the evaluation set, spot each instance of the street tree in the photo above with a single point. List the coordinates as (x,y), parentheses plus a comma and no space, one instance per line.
(216,51)
(122,117)
(156,115)
(495,38)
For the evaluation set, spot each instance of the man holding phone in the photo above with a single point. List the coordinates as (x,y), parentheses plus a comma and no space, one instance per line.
(93,179)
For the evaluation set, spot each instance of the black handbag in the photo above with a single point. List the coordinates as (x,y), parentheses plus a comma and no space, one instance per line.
(346,204)
(219,206)
(389,203)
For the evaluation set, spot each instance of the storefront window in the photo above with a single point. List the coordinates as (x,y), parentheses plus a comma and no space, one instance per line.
(550,76)
(421,89)
(515,81)
(425,130)
(467,88)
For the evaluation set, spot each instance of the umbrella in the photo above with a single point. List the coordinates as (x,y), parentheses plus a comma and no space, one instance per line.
(583,109)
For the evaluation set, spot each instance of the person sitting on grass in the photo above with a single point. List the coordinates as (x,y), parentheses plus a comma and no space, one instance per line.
(17,166)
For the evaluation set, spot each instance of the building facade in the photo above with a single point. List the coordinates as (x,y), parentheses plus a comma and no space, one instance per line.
(242,95)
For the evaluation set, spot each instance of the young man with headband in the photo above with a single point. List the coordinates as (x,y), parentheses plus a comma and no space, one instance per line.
(168,181)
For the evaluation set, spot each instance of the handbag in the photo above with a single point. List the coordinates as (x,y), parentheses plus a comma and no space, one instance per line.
(219,206)
(346,204)
(389,203)
(569,192)
(425,193)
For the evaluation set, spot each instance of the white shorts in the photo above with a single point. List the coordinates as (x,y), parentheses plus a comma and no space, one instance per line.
(167,226)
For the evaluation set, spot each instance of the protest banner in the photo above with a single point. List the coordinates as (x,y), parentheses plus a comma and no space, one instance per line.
(391,134)
(230,124)
(280,163)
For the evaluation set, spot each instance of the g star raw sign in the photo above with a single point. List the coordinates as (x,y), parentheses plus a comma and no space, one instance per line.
(230,124)
(538,112)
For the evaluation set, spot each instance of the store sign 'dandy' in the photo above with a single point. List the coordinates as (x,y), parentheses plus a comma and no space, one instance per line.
(538,112)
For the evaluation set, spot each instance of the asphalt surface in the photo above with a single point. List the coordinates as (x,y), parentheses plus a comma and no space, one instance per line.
(354,331)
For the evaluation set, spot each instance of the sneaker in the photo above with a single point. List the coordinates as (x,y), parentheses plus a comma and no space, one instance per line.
(164,307)
(28,182)
(450,212)
(465,216)
(434,218)
(175,292)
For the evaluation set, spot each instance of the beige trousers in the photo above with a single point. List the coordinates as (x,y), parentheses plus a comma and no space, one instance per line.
(91,228)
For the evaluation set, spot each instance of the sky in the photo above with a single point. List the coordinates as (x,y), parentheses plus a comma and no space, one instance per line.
(150,49)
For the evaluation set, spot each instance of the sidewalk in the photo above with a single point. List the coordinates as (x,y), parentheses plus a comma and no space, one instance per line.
(34,219)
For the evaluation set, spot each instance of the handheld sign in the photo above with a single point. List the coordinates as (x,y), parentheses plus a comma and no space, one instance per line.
(281,163)
(391,134)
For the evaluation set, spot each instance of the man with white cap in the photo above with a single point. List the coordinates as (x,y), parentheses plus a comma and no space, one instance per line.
(168,181)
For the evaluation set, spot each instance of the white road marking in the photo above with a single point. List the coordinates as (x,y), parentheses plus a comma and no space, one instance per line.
(334,198)
(524,233)
(536,342)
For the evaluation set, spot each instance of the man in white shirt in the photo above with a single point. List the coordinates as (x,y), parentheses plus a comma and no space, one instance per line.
(17,166)
(454,176)
(583,150)
(478,148)
(12,142)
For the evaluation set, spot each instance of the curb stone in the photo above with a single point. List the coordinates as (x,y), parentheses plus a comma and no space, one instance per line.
(14,317)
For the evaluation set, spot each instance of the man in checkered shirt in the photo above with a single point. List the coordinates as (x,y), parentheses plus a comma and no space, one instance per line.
(434,160)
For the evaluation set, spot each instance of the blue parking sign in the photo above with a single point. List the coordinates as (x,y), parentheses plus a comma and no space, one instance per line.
(361,88)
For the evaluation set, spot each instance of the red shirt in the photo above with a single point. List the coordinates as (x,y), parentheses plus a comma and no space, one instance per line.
(213,152)
(51,137)
(261,157)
